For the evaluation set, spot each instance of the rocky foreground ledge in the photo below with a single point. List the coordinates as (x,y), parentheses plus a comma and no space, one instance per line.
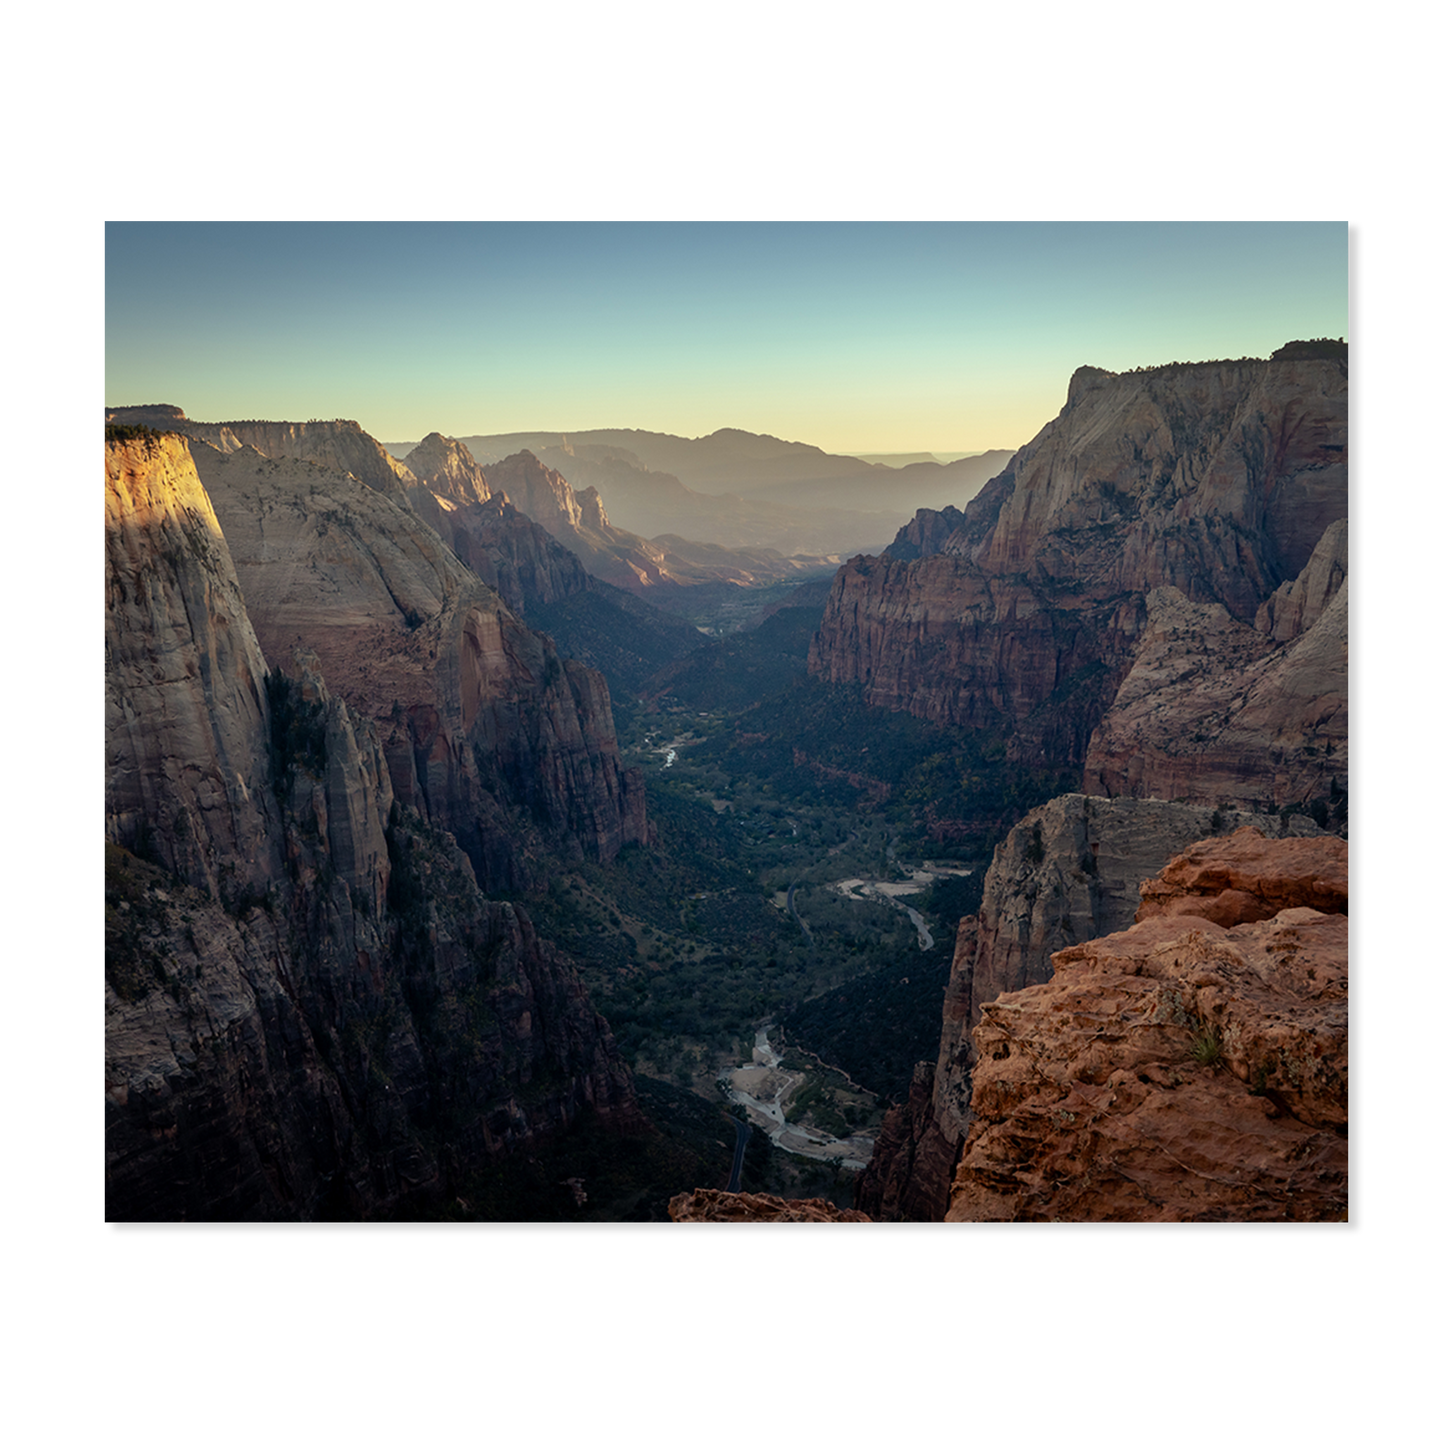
(715,1206)
(1192,1067)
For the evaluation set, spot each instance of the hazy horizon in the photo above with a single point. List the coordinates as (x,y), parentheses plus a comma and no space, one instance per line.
(858,338)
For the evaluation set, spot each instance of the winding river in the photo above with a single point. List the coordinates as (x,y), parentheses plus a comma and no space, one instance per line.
(763,1087)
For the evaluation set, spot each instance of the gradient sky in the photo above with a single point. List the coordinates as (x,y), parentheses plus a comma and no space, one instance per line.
(869,337)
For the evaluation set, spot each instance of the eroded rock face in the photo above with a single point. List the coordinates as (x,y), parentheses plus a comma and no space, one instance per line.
(1216,480)
(1178,1070)
(1071,870)
(324,1056)
(187,775)
(338,445)
(448,469)
(926,535)
(714,1206)
(521,561)
(487,732)
(1247,877)
(578,521)
(1213,710)
(1297,605)
(311,1009)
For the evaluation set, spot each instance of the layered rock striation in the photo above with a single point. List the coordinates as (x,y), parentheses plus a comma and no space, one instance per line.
(1213,708)
(311,1008)
(187,775)
(517,557)
(487,731)
(1217,480)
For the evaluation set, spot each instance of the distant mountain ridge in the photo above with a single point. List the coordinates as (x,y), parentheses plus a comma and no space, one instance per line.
(740,490)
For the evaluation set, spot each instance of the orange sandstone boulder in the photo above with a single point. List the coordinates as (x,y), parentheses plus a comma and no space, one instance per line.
(714,1206)
(1246,877)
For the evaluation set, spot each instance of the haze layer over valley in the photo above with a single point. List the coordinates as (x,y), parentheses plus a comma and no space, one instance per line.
(734,489)
(554,826)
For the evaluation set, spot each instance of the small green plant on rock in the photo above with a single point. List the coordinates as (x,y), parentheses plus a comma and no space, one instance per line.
(1206,1046)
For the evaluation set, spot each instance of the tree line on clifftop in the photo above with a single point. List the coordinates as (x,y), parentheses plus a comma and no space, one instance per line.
(131,432)
(1320,348)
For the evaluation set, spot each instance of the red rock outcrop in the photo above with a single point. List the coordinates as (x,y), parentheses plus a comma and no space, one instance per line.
(1247,877)
(1069,871)
(1179,1070)
(714,1206)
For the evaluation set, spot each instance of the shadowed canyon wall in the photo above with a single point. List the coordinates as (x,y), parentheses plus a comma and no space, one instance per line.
(312,1010)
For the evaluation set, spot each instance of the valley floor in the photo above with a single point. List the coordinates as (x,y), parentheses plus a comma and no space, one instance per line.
(764,1087)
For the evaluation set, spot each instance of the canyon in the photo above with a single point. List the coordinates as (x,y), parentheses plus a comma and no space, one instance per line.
(1216,480)
(1188,649)
(390,837)
(312,1008)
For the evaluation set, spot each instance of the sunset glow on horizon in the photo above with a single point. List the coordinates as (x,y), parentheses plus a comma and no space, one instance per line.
(856,337)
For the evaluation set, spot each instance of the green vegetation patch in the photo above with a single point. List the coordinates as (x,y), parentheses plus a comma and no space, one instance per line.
(139,955)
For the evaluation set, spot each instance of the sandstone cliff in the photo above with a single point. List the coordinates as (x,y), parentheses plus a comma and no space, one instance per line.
(187,768)
(338,445)
(1183,1069)
(311,1009)
(487,731)
(1216,709)
(509,550)
(1071,870)
(1217,480)
(448,469)
(577,520)
(511,553)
